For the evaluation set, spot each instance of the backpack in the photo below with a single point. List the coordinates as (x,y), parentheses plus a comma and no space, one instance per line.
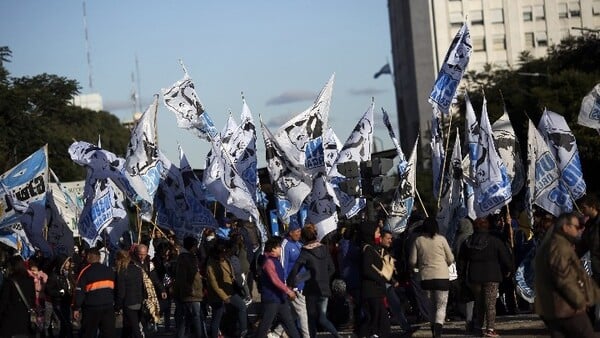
(388,262)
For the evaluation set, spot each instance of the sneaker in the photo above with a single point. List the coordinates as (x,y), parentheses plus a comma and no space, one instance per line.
(491,333)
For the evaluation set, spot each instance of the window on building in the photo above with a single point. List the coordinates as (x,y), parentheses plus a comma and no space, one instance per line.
(596,8)
(527,13)
(456,19)
(476,17)
(497,15)
(563,10)
(574,9)
(539,13)
(529,41)
(541,38)
(478,44)
(499,42)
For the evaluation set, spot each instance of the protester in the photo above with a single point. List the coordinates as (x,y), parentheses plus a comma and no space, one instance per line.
(376,320)
(315,258)
(485,260)
(189,291)
(14,310)
(94,298)
(431,255)
(291,248)
(563,288)
(590,241)
(59,290)
(129,294)
(464,295)
(40,278)
(274,292)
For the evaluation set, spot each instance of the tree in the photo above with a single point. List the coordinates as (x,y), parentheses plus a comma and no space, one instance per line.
(36,110)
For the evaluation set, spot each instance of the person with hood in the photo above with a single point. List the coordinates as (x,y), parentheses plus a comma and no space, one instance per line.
(59,291)
(315,257)
(373,284)
(129,294)
(431,254)
(486,260)
(464,295)
(563,288)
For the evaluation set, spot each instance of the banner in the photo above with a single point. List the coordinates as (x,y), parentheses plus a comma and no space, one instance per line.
(27,181)
(59,236)
(14,236)
(453,68)
(404,196)
(99,211)
(509,149)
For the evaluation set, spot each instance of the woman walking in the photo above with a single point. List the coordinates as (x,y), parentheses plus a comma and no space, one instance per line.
(129,295)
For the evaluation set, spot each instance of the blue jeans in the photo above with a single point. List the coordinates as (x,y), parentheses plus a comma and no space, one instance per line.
(316,308)
(272,310)
(189,313)
(218,309)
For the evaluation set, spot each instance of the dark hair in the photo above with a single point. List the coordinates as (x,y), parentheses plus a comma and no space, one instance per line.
(430,227)
(16,266)
(189,243)
(386,231)
(309,233)
(481,223)
(590,200)
(93,251)
(272,243)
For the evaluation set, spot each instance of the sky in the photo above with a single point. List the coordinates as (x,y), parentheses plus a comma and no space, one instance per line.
(278,53)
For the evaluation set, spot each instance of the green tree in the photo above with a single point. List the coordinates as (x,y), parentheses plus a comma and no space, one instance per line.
(36,110)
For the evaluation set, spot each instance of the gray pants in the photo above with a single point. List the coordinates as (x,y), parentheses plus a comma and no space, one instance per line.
(439,301)
(299,307)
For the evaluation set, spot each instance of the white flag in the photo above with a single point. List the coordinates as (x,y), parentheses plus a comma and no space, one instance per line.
(544,187)
(356,149)
(438,156)
(230,127)
(182,100)
(453,68)
(471,136)
(142,152)
(509,150)
(388,125)
(589,113)
(404,196)
(563,145)
(492,187)
(294,135)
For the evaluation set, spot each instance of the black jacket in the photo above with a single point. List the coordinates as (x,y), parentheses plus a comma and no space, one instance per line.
(484,258)
(14,315)
(316,259)
(130,287)
(373,284)
(95,287)
(590,240)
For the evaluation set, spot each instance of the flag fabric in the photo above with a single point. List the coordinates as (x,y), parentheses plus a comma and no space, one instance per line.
(471,136)
(178,207)
(59,235)
(191,182)
(182,100)
(227,185)
(438,157)
(386,69)
(589,113)
(544,187)
(509,149)
(27,182)
(452,207)
(14,236)
(230,127)
(404,196)
(563,146)
(388,125)
(492,186)
(115,232)
(142,151)
(356,149)
(293,136)
(290,184)
(453,68)
(99,212)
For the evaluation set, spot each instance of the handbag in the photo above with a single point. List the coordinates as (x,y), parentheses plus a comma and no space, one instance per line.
(33,324)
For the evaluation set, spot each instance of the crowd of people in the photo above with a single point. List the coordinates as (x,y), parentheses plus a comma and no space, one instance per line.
(361,278)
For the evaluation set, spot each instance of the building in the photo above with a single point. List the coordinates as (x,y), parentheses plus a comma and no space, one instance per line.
(91,101)
(422,30)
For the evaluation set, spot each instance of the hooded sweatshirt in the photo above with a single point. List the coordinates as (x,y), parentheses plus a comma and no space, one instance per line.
(316,259)
(485,258)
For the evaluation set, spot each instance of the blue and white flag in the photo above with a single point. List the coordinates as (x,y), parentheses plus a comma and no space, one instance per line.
(290,184)
(191,183)
(142,152)
(544,187)
(356,149)
(404,196)
(59,235)
(27,182)
(182,100)
(492,186)
(453,68)
(452,207)
(589,113)
(14,236)
(471,136)
(563,145)
(388,125)
(103,164)
(438,157)
(509,149)
(230,127)
(99,212)
(293,136)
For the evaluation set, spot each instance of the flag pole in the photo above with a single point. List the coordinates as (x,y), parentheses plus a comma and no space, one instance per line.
(138,218)
(444,163)
(421,201)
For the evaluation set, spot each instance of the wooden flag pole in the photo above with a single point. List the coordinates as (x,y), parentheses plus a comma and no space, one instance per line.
(138,218)
(421,201)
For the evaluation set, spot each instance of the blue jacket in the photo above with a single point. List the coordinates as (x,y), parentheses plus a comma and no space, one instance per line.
(290,251)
